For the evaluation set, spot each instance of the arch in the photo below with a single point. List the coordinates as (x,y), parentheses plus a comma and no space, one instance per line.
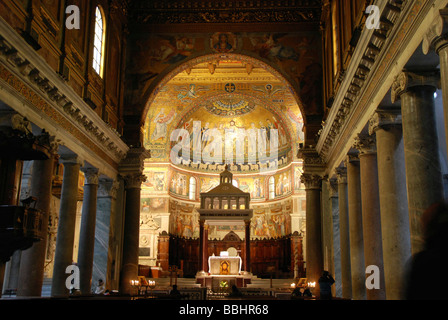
(171,72)
(99,41)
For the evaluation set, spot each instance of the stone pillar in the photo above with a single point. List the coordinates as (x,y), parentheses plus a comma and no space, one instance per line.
(386,124)
(371,216)
(355,228)
(314,256)
(131,231)
(247,244)
(66,228)
(437,39)
(297,255)
(131,169)
(335,252)
(105,232)
(344,235)
(87,231)
(423,173)
(31,273)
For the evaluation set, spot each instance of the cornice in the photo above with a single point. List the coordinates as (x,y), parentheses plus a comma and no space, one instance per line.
(366,55)
(207,11)
(379,56)
(27,65)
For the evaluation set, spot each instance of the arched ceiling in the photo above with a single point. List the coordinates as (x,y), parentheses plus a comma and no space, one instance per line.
(222,94)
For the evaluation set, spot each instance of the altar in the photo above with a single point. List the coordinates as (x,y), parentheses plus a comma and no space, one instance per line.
(224,204)
(224,265)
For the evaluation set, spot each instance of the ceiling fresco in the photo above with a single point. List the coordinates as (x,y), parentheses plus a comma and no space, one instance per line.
(295,57)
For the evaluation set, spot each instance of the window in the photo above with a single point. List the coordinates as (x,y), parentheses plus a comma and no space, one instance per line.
(192,193)
(98,43)
(271,188)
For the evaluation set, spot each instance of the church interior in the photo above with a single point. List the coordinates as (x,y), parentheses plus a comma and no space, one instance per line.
(219,145)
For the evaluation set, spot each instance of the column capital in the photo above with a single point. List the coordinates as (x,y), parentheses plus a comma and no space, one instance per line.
(134,160)
(406,80)
(311,181)
(108,187)
(352,157)
(437,36)
(133,180)
(71,159)
(384,118)
(91,175)
(365,144)
(333,187)
(341,175)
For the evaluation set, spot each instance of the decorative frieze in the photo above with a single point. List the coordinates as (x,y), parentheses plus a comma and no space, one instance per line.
(355,82)
(63,99)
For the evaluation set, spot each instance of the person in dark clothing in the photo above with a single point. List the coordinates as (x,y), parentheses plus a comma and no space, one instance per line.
(425,279)
(325,283)
(235,292)
(175,293)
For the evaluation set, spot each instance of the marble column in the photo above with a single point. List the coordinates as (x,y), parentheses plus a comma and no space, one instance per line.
(437,39)
(335,256)
(131,169)
(421,151)
(87,231)
(314,255)
(31,273)
(131,231)
(371,216)
(344,236)
(355,228)
(104,252)
(66,228)
(386,124)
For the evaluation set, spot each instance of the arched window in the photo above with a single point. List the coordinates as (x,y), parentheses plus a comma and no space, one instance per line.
(192,193)
(98,42)
(271,188)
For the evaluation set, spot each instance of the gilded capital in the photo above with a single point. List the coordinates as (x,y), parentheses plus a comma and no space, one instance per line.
(406,80)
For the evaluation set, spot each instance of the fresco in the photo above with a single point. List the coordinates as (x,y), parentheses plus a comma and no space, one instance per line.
(178,184)
(271,222)
(156,180)
(154,205)
(184,220)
